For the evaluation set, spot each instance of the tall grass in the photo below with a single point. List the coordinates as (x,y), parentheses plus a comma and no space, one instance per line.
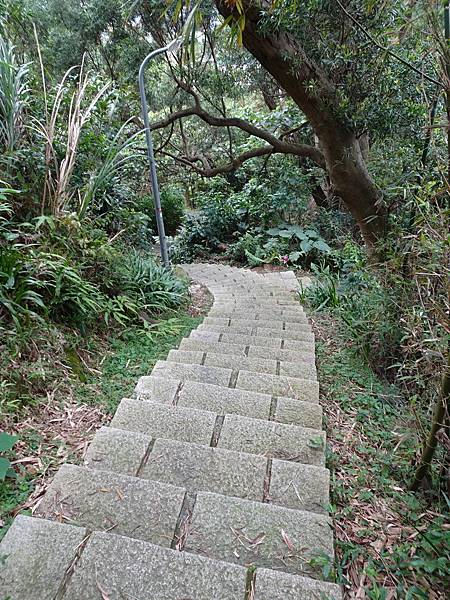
(13,98)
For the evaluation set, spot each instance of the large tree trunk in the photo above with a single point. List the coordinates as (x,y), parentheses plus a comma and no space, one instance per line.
(295,72)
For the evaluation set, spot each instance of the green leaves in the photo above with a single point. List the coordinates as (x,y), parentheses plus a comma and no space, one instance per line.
(309,240)
(7,441)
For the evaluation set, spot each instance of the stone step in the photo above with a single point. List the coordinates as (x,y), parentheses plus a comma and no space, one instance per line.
(257,365)
(125,568)
(117,450)
(192,344)
(306,336)
(253,534)
(254,323)
(276,314)
(164,420)
(187,372)
(222,401)
(161,389)
(272,439)
(305,359)
(202,468)
(275,585)
(242,434)
(272,341)
(283,355)
(279,385)
(228,338)
(251,306)
(40,561)
(119,504)
(215,359)
(35,556)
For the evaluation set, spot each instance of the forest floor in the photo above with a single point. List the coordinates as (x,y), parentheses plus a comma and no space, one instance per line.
(391,543)
(82,397)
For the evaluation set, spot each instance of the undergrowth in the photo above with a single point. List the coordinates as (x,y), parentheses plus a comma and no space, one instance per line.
(391,543)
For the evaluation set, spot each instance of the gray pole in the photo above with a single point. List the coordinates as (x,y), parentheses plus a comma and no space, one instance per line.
(151,158)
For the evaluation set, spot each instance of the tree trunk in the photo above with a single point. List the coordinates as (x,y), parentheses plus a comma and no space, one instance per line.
(303,80)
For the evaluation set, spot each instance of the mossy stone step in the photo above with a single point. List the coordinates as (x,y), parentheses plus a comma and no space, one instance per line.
(101,500)
(253,534)
(276,440)
(165,420)
(188,372)
(35,555)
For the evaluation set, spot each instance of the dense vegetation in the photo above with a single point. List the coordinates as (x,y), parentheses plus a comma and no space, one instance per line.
(309,134)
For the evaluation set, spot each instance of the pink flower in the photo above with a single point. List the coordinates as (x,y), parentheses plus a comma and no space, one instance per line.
(285,259)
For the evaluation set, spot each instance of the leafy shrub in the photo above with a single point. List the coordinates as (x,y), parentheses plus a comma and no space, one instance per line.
(194,239)
(172,206)
(284,244)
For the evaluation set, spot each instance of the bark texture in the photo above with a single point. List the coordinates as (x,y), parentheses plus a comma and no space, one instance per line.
(282,56)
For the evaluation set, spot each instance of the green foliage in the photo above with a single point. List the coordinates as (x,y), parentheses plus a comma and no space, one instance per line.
(154,287)
(373,437)
(172,205)
(13,99)
(6,444)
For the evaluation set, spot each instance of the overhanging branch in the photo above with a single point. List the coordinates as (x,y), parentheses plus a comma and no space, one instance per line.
(229,167)
(275,145)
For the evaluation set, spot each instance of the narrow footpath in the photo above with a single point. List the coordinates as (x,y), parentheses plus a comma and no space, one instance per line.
(209,484)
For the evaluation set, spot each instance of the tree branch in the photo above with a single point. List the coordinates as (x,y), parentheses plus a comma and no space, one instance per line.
(274,144)
(237,161)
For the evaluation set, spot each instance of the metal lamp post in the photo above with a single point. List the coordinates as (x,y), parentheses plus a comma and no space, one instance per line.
(172,47)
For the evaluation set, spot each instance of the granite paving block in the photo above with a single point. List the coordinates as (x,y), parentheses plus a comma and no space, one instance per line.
(287,334)
(279,385)
(120,504)
(134,570)
(226,329)
(300,345)
(202,468)
(298,370)
(272,439)
(186,372)
(259,365)
(34,557)
(274,585)
(186,356)
(216,347)
(299,486)
(165,420)
(216,321)
(235,338)
(279,325)
(291,356)
(209,336)
(159,389)
(296,412)
(117,450)
(256,534)
(222,401)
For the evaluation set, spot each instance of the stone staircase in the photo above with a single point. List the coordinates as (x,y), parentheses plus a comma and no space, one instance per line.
(209,484)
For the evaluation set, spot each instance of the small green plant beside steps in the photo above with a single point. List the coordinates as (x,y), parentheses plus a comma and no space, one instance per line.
(7,442)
